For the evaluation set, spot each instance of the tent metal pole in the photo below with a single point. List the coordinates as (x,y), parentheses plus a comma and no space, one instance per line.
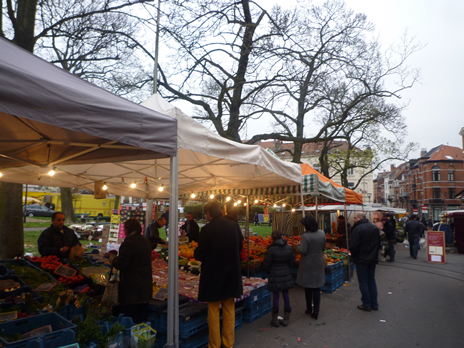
(247,233)
(173,264)
(347,239)
(155,72)
(302,203)
(317,214)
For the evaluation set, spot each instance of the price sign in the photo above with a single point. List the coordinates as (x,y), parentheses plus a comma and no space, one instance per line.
(161,294)
(8,284)
(8,316)
(436,247)
(37,332)
(45,287)
(65,271)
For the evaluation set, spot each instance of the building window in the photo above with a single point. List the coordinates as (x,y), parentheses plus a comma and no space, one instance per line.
(436,193)
(350,171)
(351,185)
(452,193)
(436,173)
(451,174)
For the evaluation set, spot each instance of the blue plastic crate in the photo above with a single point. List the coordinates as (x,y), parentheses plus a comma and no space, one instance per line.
(258,309)
(63,331)
(256,295)
(192,319)
(70,311)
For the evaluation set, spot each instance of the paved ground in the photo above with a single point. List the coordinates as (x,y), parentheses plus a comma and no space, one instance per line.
(421,305)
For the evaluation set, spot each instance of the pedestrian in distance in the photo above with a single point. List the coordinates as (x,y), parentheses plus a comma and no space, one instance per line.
(364,247)
(191,229)
(256,219)
(219,247)
(277,262)
(311,273)
(413,231)
(166,217)
(390,234)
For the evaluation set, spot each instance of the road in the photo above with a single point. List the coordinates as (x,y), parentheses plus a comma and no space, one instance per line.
(421,305)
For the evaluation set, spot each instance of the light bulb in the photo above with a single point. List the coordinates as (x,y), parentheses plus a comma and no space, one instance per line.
(256,201)
(104,188)
(228,199)
(161,188)
(212,196)
(245,204)
(51,172)
(133,185)
(235,204)
(1,174)
(239,202)
(283,205)
(192,195)
(293,210)
(275,205)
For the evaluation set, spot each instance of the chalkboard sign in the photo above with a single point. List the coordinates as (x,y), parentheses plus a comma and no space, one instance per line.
(45,287)
(8,316)
(161,294)
(436,247)
(37,332)
(65,271)
(8,284)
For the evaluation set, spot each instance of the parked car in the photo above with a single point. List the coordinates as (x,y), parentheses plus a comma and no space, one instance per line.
(37,210)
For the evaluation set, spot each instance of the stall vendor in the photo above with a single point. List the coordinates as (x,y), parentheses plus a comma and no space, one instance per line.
(343,236)
(59,240)
(152,232)
(191,229)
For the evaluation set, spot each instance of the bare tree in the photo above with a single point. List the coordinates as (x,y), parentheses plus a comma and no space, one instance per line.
(28,23)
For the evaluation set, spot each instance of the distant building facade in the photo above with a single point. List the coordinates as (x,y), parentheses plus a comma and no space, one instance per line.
(426,186)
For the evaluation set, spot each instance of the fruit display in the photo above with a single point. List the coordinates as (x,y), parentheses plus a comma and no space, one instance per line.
(259,245)
(187,250)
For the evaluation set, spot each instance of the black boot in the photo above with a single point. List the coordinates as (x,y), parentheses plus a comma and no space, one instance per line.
(275,321)
(284,321)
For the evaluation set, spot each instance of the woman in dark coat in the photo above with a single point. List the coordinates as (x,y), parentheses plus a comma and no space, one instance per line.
(134,264)
(311,273)
(277,262)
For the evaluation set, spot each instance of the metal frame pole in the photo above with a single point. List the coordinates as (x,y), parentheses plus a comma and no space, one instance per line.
(173,262)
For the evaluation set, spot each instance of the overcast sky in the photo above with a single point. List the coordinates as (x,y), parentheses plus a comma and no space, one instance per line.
(435,113)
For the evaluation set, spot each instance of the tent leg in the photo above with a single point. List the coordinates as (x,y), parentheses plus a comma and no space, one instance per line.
(247,233)
(302,204)
(173,264)
(347,240)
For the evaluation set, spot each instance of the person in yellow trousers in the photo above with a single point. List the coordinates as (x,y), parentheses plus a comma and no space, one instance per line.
(219,247)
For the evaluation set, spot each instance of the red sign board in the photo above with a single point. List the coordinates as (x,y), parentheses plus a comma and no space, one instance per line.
(436,247)
(415,210)
(424,208)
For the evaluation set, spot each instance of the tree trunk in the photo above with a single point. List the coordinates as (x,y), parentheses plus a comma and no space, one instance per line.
(11,221)
(67,205)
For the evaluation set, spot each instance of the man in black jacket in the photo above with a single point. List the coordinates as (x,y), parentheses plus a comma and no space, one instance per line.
(390,234)
(152,232)
(59,240)
(413,230)
(219,247)
(191,228)
(364,247)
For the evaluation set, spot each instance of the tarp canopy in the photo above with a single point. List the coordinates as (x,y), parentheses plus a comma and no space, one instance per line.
(314,183)
(50,117)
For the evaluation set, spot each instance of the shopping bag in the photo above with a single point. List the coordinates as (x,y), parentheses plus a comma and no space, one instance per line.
(406,243)
(142,336)
(111,294)
(422,242)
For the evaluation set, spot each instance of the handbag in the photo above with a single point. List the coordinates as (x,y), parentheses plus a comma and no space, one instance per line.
(111,294)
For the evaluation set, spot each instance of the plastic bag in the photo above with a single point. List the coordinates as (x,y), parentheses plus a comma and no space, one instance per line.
(422,242)
(406,243)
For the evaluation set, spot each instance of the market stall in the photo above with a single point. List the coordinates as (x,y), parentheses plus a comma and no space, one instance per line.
(458,222)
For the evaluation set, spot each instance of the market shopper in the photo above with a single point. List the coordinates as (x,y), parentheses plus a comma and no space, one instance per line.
(219,247)
(311,274)
(344,232)
(191,229)
(364,247)
(413,230)
(166,217)
(279,257)
(152,232)
(59,240)
(134,264)
(390,234)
